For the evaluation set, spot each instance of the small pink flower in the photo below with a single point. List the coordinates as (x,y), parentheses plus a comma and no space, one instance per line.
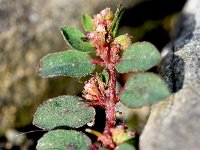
(100,28)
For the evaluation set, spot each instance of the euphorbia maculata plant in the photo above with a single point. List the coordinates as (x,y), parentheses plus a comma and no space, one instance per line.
(115,54)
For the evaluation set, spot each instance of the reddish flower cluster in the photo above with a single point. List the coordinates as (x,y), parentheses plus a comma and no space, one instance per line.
(94,89)
(107,48)
(102,23)
(118,136)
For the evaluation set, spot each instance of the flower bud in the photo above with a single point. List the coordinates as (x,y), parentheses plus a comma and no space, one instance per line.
(124,41)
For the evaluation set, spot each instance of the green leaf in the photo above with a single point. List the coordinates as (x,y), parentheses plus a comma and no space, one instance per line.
(67,63)
(105,76)
(105,79)
(77,39)
(138,57)
(64,140)
(65,110)
(87,23)
(117,17)
(144,89)
(125,146)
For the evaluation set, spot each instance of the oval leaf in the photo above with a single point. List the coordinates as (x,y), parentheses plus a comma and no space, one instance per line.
(87,23)
(77,39)
(64,110)
(144,89)
(138,57)
(125,146)
(63,140)
(67,63)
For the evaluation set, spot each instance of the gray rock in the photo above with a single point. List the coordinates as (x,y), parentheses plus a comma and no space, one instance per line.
(174,124)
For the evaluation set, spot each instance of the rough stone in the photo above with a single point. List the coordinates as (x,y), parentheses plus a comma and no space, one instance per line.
(175,123)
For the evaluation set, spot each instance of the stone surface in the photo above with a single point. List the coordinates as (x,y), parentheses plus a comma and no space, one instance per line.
(175,123)
(28,31)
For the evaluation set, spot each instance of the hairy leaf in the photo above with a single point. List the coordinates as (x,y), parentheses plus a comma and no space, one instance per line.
(117,17)
(144,89)
(87,23)
(138,57)
(63,140)
(77,39)
(67,63)
(64,110)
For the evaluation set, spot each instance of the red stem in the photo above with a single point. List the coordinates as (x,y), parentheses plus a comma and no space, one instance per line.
(112,98)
